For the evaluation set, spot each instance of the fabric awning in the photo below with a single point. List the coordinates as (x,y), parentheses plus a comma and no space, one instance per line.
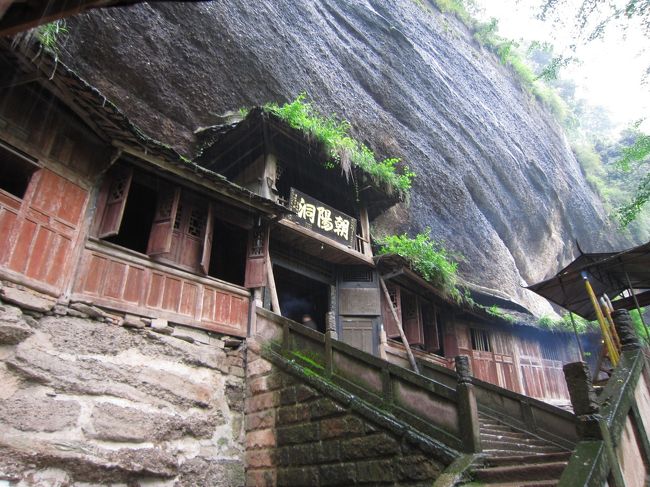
(608,273)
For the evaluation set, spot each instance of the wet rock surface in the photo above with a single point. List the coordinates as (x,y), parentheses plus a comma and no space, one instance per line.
(89,402)
(496,179)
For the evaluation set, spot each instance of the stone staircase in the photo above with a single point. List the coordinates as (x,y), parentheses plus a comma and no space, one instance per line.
(513,458)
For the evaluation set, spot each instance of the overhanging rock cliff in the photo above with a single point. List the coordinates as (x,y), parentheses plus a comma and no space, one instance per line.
(496,180)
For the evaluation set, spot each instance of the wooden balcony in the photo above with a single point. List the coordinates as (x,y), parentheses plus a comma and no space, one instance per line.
(126,281)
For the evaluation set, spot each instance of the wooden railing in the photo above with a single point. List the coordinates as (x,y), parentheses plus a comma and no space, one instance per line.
(434,408)
(124,280)
(613,447)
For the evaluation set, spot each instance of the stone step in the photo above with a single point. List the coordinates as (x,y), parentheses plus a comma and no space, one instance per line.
(527,459)
(533,483)
(522,447)
(497,427)
(524,472)
(516,438)
(506,452)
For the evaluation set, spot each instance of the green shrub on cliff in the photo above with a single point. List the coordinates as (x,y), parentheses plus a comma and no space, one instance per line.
(343,149)
(427,257)
(49,35)
(564,324)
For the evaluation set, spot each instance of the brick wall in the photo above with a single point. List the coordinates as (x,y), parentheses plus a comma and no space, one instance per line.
(297,436)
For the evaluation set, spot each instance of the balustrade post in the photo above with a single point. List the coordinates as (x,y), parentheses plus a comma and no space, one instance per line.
(467,407)
(625,329)
(285,336)
(584,400)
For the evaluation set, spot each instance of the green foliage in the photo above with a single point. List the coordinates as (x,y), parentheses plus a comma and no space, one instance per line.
(635,156)
(564,324)
(638,325)
(510,54)
(49,35)
(427,257)
(497,312)
(623,192)
(457,7)
(341,148)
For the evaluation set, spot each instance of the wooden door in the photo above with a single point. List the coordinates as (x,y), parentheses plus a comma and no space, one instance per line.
(161,237)
(42,229)
(412,319)
(188,233)
(390,325)
(359,333)
(532,375)
(503,349)
(113,197)
(359,306)
(430,320)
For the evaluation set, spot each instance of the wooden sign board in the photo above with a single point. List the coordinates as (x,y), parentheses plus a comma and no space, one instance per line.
(320,218)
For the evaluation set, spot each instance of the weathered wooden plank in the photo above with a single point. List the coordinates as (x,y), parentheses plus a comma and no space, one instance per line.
(133,288)
(189,294)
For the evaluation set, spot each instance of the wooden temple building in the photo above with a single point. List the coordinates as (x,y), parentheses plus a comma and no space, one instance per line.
(93,210)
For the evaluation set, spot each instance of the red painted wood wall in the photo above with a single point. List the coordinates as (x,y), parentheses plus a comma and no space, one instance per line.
(40,230)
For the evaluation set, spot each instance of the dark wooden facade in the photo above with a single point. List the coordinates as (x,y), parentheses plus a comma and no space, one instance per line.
(98,215)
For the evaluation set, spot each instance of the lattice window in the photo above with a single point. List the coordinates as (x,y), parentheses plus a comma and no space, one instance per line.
(357,274)
(196,223)
(179,214)
(550,352)
(165,207)
(118,188)
(480,340)
(257,247)
(392,292)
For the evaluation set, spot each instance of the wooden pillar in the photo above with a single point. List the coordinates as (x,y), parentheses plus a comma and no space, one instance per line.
(366,247)
(269,176)
(467,407)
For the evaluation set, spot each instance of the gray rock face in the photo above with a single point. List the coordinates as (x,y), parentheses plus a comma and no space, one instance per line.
(496,180)
(26,300)
(116,423)
(32,412)
(13,326)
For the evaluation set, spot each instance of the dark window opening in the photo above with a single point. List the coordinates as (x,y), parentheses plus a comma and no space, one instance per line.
(300,296)
(228,258)
(480,340)
(137,219)
(15,172)
(327,186)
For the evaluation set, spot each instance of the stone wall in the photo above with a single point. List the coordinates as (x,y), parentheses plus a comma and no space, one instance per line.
(90,398)
(297,436)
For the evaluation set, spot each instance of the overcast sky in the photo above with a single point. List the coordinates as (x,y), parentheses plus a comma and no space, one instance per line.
(610,70)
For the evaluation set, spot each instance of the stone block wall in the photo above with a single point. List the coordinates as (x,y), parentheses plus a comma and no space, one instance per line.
(298,436)
(88,398)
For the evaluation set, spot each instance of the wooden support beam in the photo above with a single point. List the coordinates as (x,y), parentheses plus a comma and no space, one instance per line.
(275,303)
(414,365)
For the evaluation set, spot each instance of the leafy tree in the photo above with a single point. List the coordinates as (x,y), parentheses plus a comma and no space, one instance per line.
(636,156)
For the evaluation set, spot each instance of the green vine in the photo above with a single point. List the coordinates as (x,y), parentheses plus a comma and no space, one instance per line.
(342,149)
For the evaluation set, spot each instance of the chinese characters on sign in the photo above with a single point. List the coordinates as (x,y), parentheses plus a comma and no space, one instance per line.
(323,219)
